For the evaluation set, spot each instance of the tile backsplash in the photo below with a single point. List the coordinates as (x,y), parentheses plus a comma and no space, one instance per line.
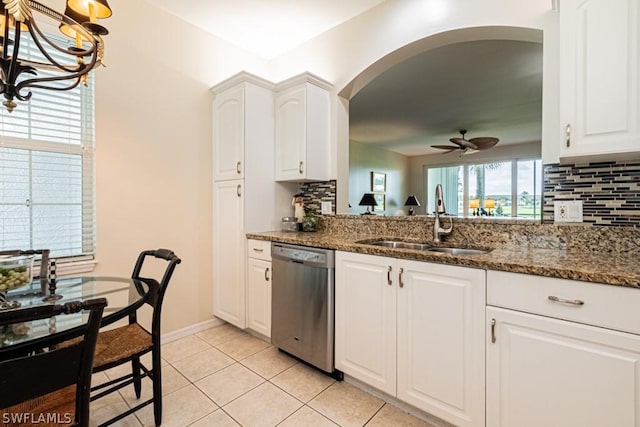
(609,191)
(315,192)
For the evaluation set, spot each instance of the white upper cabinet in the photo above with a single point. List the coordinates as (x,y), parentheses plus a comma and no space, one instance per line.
(599,78)
(228,134)
(302,110)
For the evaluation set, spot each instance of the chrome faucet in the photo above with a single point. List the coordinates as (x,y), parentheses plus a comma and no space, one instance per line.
(440,210)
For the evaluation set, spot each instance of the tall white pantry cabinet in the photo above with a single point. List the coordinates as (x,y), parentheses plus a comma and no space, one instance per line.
(245,193)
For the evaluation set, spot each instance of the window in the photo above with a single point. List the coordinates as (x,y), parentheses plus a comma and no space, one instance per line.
(510,188)
(46,172)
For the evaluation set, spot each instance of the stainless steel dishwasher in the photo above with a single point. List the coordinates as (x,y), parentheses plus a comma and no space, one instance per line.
(302,298)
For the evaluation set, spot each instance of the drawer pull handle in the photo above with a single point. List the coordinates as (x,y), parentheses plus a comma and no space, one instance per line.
(238,170)
(400,278)
(266,274)
(258,250)
(566,301)
(389,282)
(300,168)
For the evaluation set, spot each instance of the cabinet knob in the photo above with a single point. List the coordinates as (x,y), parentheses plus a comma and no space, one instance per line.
(300,169)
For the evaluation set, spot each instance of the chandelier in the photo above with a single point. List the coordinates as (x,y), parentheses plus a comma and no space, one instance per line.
(22,71)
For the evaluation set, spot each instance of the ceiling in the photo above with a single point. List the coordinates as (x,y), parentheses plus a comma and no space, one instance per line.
(490,88)
(266,27)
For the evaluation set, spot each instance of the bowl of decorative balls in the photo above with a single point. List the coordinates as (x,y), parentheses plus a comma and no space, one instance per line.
(15,272)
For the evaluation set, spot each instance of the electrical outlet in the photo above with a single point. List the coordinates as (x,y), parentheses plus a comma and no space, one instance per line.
(567,211)
(325,208)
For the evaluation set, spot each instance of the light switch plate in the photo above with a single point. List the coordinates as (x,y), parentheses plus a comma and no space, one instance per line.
(567,211)
(325,208)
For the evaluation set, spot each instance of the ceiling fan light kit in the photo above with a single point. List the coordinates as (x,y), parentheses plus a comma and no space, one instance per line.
(468,146)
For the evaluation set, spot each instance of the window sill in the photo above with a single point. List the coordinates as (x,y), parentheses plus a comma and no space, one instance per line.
(75,267)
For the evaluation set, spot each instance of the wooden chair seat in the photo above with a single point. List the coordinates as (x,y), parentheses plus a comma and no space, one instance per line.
(61,404)
(117,345)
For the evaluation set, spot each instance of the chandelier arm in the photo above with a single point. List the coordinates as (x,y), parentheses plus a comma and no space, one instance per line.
(93,51)
(26,97)
(13,66)
(5,39)
(37,82)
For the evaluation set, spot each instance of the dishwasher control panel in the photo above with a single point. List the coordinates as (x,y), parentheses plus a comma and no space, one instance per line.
(301,254)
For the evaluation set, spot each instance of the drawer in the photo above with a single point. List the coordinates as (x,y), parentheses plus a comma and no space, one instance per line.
(259,249)
(608,306)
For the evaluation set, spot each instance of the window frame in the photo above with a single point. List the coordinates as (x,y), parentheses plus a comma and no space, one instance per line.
(83,147)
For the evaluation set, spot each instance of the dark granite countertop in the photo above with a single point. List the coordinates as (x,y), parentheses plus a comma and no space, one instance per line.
(607,268)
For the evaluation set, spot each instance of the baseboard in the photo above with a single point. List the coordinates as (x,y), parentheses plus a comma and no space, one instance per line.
(192,329)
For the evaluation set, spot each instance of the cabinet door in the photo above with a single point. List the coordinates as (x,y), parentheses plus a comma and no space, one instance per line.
(366,319)
(441,340)
(599,77)
(228,252)
(259,296)
(548,372)
(291,134)
(228,134)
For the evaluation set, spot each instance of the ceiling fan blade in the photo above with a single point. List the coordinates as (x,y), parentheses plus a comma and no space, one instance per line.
(469,151)
(447,147)
(484,140)
(463,143)
(485,143)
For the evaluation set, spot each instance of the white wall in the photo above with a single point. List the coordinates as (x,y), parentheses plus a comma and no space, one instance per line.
(153,149)
(364,160)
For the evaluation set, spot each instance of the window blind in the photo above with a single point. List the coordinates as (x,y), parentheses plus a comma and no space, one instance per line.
(47,171)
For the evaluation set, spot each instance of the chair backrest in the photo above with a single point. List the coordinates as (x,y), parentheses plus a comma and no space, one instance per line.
(43,367)
(156,289)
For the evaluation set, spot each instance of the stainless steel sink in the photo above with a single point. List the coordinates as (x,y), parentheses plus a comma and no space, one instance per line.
(458,251)
(399,244)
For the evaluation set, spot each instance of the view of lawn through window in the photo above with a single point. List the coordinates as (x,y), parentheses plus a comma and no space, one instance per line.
(510,188)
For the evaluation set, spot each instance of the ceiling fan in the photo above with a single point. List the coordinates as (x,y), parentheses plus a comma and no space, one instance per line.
(468,146)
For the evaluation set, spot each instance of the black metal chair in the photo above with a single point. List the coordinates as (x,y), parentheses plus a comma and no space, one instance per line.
(128,343)
(43,383)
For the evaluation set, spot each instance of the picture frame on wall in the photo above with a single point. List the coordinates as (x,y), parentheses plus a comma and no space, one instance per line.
(380,199)
(378,182)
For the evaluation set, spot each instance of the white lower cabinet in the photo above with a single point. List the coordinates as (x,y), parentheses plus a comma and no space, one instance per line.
(547,371)
(414,330)
(259,287)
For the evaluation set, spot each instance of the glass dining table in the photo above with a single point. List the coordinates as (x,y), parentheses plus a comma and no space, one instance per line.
(124,296)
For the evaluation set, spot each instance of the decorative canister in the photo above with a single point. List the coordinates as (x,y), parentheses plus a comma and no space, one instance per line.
(289,224)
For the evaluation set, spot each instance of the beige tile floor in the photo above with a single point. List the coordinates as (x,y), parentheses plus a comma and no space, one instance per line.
(226,377)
